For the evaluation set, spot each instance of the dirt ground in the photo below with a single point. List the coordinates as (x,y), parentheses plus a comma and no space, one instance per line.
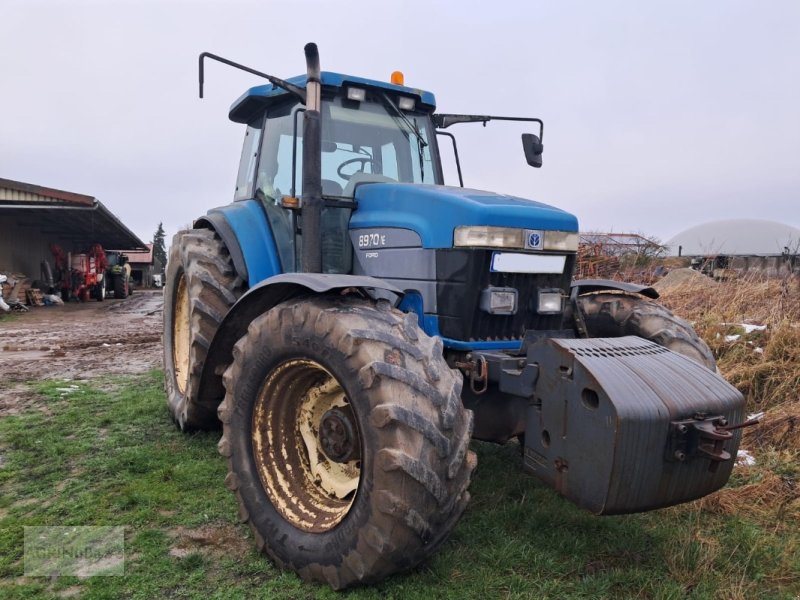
(79,341)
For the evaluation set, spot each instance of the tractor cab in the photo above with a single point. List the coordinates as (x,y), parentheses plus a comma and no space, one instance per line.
(386,213)
(371,132)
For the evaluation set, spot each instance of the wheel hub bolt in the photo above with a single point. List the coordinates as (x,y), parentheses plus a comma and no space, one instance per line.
(338,435)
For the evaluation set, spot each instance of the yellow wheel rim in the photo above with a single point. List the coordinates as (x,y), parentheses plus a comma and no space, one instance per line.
(303,418)
(181,338)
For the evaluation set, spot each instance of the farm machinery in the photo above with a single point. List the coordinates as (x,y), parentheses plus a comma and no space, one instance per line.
(118,274)
(79,276)
(352,323)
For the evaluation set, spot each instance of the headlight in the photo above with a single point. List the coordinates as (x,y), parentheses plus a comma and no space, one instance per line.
(489,237)
(565,241)
(483,236)
(499,301)
(549,302)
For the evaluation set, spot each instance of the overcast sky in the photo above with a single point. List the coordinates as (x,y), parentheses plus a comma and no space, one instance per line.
(658,115)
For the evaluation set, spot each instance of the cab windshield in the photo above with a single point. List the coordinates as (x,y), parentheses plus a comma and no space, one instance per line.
(366,141)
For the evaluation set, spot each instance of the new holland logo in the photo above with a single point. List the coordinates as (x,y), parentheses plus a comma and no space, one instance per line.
(533,240)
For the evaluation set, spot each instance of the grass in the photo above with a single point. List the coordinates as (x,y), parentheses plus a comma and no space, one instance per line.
(105,453)
(8,317)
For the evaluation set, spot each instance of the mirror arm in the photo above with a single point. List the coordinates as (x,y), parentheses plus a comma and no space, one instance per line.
(289,87)
(443,120)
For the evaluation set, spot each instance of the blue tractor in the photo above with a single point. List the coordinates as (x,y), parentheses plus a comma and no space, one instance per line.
(352,323)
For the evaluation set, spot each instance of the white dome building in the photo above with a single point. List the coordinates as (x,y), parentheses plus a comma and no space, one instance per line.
(736,237)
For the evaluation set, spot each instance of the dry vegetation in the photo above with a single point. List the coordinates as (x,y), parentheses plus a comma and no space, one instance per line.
(765,366)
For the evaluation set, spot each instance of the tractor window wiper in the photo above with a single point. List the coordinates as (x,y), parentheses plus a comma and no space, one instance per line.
(412,128)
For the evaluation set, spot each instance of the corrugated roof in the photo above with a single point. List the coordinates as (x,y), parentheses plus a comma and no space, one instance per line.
(81,219)
(17,191)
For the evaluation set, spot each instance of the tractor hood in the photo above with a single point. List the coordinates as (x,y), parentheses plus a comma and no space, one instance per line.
(434,211)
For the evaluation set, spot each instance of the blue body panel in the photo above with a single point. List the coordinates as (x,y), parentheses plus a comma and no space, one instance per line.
(249,224)
(265,93)
(430,325)
(435,211)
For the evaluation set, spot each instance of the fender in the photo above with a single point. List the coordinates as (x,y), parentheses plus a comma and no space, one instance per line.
(258,300)
(587,286)
(244,230)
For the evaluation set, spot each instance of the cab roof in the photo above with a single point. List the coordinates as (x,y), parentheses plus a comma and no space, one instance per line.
(254,100)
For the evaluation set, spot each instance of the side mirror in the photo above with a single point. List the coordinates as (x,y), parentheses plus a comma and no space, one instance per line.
(533,148)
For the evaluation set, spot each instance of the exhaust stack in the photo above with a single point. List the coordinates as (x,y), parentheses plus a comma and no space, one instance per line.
(311,258)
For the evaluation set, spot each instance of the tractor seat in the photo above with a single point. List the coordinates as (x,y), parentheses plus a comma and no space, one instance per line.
(357,178)
(331,188)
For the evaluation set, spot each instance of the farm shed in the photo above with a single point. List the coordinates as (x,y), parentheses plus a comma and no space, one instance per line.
(32,217)
(143,266)
(742,244)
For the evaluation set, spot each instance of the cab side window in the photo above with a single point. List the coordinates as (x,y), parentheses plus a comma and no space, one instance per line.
(274,178)
(275,165)
(247,163)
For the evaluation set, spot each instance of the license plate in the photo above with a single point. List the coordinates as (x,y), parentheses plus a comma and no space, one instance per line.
(512,262)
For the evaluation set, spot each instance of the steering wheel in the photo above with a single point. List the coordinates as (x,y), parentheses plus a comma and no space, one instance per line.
(364,160)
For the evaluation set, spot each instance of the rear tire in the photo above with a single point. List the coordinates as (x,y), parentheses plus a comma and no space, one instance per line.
(615,315)
(120,287)
(201,285)
(399,484)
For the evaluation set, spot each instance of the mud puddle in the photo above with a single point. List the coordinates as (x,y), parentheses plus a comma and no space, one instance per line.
(79,341)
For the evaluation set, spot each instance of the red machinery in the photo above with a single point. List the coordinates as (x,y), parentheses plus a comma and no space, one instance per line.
(80,276)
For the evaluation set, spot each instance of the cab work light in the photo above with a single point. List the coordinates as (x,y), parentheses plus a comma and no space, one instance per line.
(406,103)
(357,94)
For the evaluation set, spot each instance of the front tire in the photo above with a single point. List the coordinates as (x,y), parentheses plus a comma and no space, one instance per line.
(346,439)
(201,287)
(615,315)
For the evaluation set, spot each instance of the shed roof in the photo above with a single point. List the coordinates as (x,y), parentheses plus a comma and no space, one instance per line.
(143,257)
(81,219)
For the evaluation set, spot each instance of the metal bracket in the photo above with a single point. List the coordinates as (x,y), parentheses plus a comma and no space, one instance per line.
(699,437)
(478,372)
